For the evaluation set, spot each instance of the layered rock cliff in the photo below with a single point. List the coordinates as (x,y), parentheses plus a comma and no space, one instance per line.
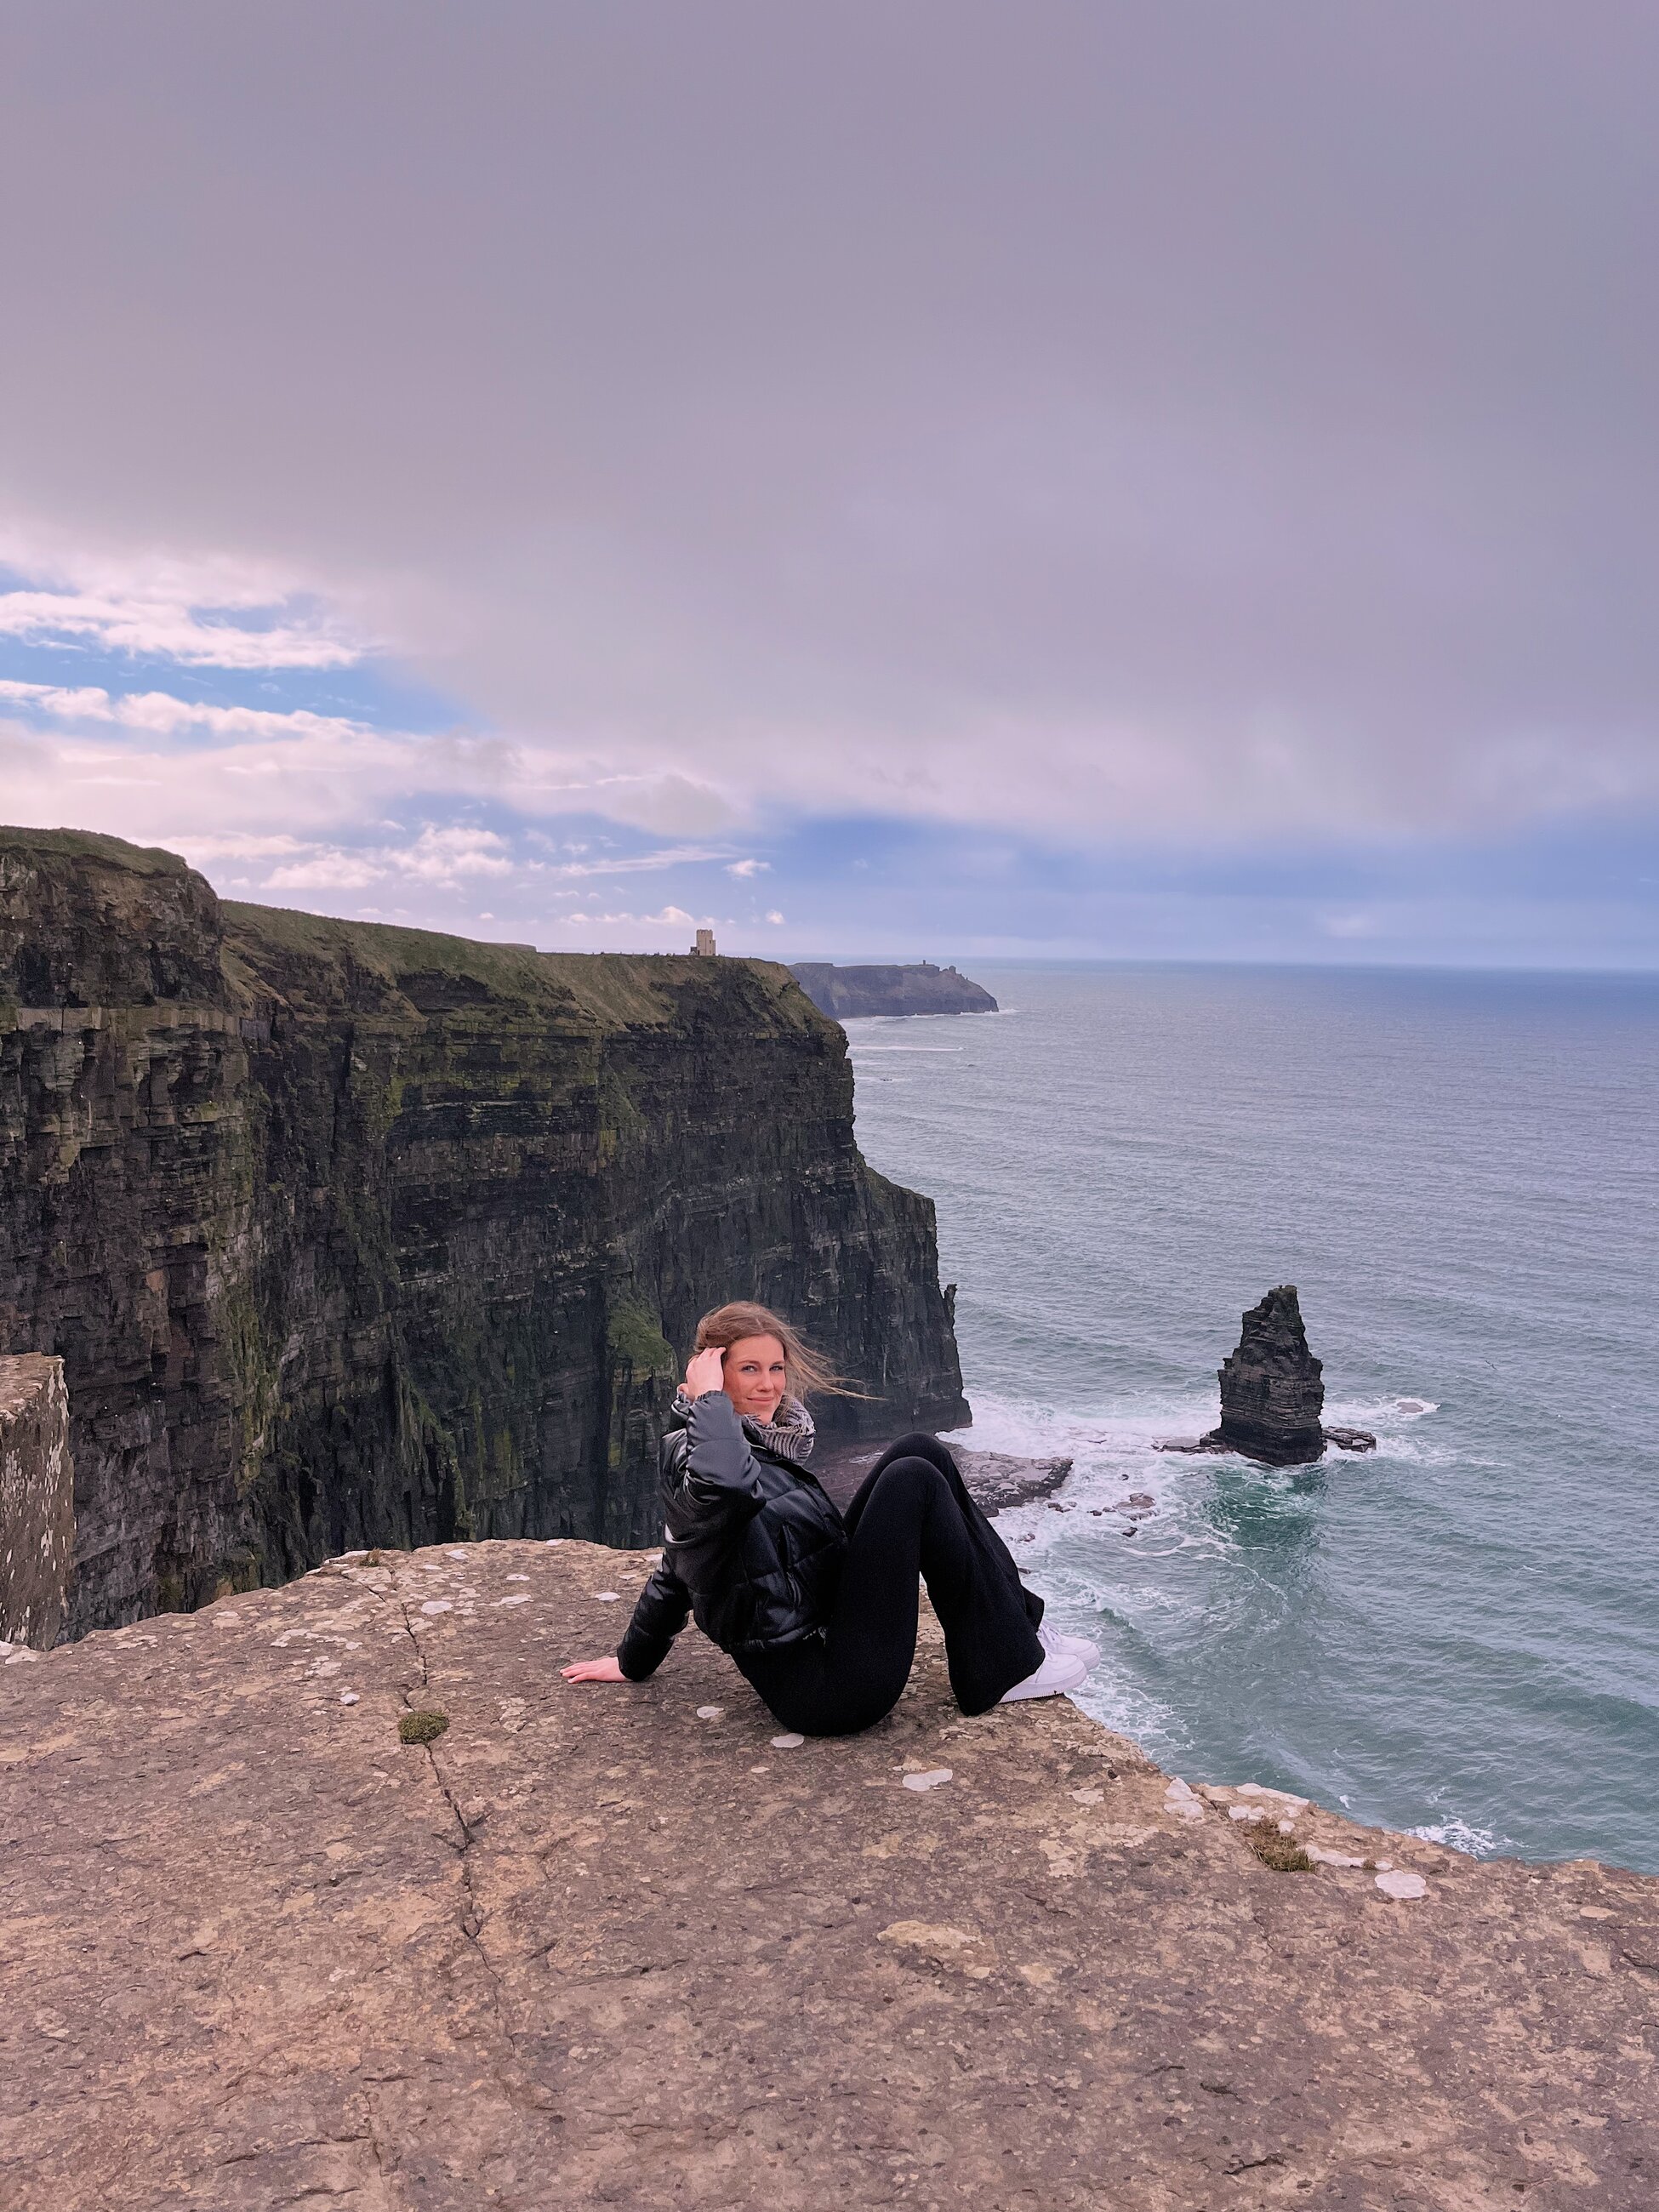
(351,1234)
(846,994)
(1272,1390)
(1272,1394)
(37,1500)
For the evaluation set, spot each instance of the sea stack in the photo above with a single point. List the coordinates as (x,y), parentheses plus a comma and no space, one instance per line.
(1272,1394)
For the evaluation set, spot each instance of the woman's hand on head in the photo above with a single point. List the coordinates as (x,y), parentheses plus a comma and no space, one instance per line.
(706,1372)
(594,1670)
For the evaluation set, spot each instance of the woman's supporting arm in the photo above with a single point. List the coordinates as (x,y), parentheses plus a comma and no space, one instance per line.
(663,1607)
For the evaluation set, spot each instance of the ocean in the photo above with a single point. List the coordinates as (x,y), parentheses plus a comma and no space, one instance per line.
(1459,1633)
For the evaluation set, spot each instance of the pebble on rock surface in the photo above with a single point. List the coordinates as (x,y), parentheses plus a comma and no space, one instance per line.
(931,1780)
(1181,1801)
(711,1712)
(350,1697)
(1401,1884)
(607,1598)
(787,1742)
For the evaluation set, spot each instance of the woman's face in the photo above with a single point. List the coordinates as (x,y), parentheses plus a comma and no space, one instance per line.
(752,1377)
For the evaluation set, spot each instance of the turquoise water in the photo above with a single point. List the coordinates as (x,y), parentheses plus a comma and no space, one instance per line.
(1459,1633)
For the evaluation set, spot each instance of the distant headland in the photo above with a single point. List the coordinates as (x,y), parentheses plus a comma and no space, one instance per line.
(846,994)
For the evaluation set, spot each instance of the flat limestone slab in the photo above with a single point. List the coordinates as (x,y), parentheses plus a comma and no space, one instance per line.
(617,1946)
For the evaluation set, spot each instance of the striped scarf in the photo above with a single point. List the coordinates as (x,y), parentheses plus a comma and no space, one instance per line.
(791,1435)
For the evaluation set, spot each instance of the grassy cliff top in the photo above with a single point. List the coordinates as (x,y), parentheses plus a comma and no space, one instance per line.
(90,845)
(67,895)
(326,960)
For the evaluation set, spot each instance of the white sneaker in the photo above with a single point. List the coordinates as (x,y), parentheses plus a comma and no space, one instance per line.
(1060,1671)
(1077,1647)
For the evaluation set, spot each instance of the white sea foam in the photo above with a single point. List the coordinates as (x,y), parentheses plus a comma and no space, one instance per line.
(1455,1835)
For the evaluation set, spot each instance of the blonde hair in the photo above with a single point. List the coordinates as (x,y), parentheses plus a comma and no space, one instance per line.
(805,1373)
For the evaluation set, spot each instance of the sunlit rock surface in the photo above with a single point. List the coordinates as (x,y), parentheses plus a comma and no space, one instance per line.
(637,1946)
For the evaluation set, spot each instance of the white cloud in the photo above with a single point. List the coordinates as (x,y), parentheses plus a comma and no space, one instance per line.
(749,868)
(672,917)
(201,611)
(439,858)
(439,855)
(167,628)
(162,715)
(328,872)
(202,847)
(668,856)
(774,917)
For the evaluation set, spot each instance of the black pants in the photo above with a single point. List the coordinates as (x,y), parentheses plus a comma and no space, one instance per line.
(912,1516)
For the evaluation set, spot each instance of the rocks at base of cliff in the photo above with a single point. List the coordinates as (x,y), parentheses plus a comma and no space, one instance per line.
(1351,1440)
(852,994)
(1272,1394)
(37,1500)
(997,1480)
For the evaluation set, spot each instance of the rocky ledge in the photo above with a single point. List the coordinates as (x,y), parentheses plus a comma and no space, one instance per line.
(635,1946)
(997,1480)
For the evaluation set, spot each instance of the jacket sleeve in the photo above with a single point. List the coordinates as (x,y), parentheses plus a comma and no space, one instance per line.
(720,1468)
(664,1607)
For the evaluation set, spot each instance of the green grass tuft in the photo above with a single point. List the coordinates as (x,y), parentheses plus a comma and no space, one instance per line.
(1282,1853)
(422,1727)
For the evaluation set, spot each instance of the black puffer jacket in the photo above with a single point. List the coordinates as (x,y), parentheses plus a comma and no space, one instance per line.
(753,1544)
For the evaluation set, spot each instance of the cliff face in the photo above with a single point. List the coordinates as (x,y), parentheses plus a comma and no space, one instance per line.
(351,1235)
(846,994)
(37,1500)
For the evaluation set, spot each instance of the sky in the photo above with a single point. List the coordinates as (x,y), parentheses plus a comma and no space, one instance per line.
(1171,480)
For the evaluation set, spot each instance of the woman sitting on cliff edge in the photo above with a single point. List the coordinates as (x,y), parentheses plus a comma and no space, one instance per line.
(818,1608)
